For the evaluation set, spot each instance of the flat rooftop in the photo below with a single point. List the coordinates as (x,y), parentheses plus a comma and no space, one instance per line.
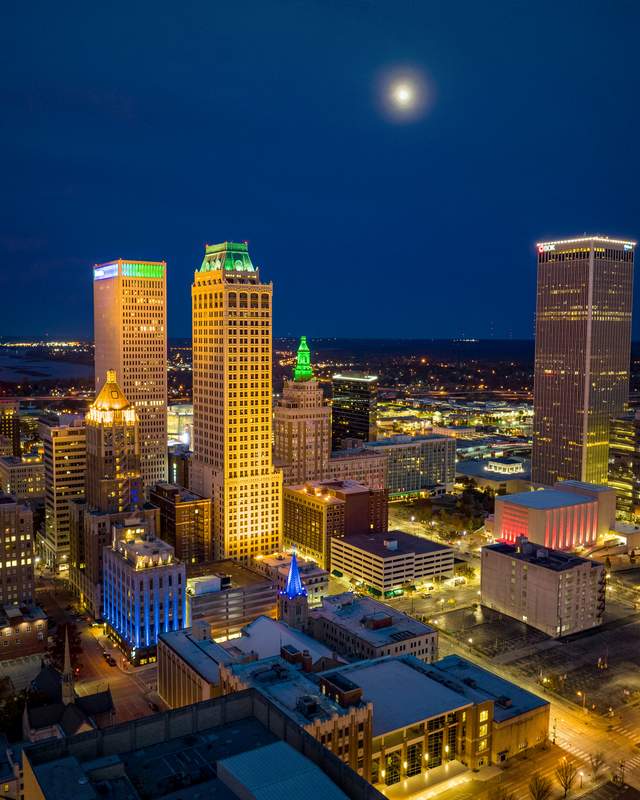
(265,636)
(202,655)
(350,612)
(545,499)
(374,543)
(404,441)
(530,553)
(285,684)
(479,685)
(323,489)
(184,495)
(401,694)
(241,576)
(477,468)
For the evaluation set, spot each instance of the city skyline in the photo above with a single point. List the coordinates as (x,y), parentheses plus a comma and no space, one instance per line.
(495,162)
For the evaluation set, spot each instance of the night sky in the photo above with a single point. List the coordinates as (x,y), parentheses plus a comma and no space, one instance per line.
(145,129)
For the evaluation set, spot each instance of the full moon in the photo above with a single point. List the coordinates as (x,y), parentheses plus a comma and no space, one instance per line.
(403,95)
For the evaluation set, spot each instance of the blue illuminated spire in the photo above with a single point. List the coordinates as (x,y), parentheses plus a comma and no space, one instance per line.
(295,587)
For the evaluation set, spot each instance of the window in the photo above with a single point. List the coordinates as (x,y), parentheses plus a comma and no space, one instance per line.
(483,730)
(484,716)
(482,745)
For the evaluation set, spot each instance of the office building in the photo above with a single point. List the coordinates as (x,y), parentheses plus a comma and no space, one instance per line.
(344,729)
(113,476)
(357,464)
(361,627)
(302,424)
(354,408)
(179,463)
(224,748)
(22,476)
(386,563)
(232,367)
(557,593)
(448,710)
(185,522)
(130,335)
(65,461)
(227,595)
(583,343)
(17,585)
(276,567)
(143,594)
(10,423)
(315,512)
(416,465)
(624,463)
(23,631)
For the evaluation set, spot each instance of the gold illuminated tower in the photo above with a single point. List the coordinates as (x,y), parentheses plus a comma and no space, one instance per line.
(130,334)
(232,461)
(583,343)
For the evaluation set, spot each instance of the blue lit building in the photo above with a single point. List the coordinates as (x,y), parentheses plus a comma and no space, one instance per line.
(143,594)
(293,603)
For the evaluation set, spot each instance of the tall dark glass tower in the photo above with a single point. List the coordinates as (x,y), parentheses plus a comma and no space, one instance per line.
(354,407)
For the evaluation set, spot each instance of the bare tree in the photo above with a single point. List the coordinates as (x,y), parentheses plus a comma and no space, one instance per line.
(498,793)
(539,787)
(566,772)
(597,762)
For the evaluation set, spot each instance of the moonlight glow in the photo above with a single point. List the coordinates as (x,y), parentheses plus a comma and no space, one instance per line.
(405,94)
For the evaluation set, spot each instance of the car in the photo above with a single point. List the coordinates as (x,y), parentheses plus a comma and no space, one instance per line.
(110,660)
(153,706)
(426,596)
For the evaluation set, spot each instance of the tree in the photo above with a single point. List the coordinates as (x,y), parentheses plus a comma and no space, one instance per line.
(56,649)
(597,762)
(539,787)
(498,793)
(566,774)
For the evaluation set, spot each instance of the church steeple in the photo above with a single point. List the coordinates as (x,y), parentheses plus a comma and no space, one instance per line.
(293,602)
(68,692)
(303,371)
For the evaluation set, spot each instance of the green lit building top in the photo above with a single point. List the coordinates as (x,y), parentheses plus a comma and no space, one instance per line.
(129,269)
(303,371)
(229,256)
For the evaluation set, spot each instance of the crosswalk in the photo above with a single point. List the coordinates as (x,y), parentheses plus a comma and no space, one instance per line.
(583,755)
(630,733)
(570,747)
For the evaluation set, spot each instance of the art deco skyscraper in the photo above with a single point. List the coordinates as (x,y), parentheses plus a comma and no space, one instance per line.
(583,343)
(113,451)
(232,368)
(130,334)
(302,424)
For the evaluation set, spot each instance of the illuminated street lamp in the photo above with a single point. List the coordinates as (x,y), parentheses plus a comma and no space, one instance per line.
(583,695)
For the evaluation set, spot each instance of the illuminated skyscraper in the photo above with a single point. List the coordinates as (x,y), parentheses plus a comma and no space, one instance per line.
(583,343)
(130,333)
(302,424)
(354,407)
(113,451)
(232,461)
(10,423)
(624,463)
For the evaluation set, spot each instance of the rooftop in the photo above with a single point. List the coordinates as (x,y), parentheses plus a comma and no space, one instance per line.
(179,492)
(374,543)
(555,560)
(240,575)
(265,636)
(421,697)
(228,256)
(351,612)
(593,488)
(596,237)
(402,440)
(354,376)
(478,468)
(327,489)
(544,499)
(202,655)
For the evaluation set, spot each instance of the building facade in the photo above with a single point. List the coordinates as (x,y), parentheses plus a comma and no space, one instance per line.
(354,407)
(318,511)
(23,631)
(358,464)
(232,370)
(583,344)
(17,584)
(22,476)
(624,463)
(387,563)
(185,522)
(302,424)
(555,592)
(417,464)
(130,335)
(65,461)
(10,424)
(143,595)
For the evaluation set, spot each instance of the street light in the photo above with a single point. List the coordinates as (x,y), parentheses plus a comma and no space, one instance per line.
(583,695)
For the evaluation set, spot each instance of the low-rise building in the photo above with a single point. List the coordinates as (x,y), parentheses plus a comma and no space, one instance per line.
(500,475)
(417,465)
(23,631)
(558,593)
(450,710)
(317,511)
(357,464)
(143,594)
(228,595)
(360,627)
(17,583)
(22,477)
(276,567)
(387,562)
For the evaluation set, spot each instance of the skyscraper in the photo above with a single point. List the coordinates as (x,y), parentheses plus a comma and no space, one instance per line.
(232,367)
(302,424)
(583,342)
(10,423)
(354,407)
(130,333)
(113,451)
(17,584)
(624,463)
